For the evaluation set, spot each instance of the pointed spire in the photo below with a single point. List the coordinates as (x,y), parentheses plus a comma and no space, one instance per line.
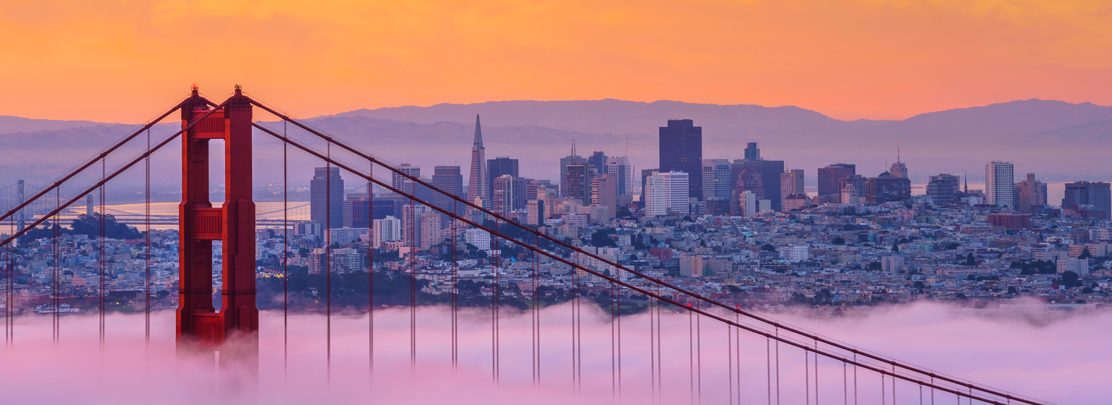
(573,147)
(478,133)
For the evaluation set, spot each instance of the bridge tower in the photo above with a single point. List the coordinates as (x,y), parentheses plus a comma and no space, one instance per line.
(233,224)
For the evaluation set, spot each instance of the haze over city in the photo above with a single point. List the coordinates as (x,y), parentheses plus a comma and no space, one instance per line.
(552,202)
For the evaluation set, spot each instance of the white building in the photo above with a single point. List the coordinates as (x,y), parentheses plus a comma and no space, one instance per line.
(1079,266)
(1000,184)
(620,169)
(388,229)
(749,204)
(478,238)
(666,193)
(795,254)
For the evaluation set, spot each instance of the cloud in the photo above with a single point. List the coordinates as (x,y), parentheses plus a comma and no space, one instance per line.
(1063,361)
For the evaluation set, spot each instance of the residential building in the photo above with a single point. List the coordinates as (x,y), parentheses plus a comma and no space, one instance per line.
(1000,184)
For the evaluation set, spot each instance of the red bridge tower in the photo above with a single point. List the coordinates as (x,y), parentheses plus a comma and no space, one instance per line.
(233,224)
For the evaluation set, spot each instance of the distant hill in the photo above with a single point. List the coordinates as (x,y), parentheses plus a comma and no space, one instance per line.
(10,124)
(1057,140)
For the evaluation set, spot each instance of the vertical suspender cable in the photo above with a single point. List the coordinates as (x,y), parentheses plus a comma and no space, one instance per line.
(328,261)
(455,289)
(699,352)
(730,361)
(619,319)
(497,304)
(285,258)
(371,233)
(854,378)
(777,365)
(691,354)
(613,347)
(493,307)
(807,376)
(652,350)
(414,242)
(536,318)
(147,264)
(816,372)
(768,364)
(54,276)
(103,172)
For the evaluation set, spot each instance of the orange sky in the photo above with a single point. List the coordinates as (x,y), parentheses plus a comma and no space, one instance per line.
(124,60)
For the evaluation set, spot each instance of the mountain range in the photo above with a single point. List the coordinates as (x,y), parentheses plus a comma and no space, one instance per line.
(1057,140)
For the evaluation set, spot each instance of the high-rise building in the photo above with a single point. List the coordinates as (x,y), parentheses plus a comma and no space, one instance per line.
(387,229)
(717,187)
(1030,194)
(578,182)
(1086,193)
(500,166)
(620,169)
(326,197)
(681,150)
(645,173)
(502,198)
(431,230)
(942,188)
(1000,184)
(597,161)
(748,181)
(400,182)
(859,183)
(448,179)
(411,224)
(604,193)
(667,193)
(479,182)
(791,182)
(829,176)
(898,169)
(751,152)
(571,159)
(769,173)
(887,188)
(534,212)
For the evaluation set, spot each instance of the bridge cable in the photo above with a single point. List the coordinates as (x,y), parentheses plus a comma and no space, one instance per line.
(414,220)
(730,362)
(737,357)
(768,364)
(691,353)
(699,352)
(883,397)
(103,263)
(816,372)
(845,385)
(565,261)
(855,379)
(652,351)
(571,300)
(328,261)
(807,377)
(536,343)
(613,348)
(147,262)
(777,365)
(55,324)
(371,232)
(285,260)
(619,301)
(455,289)
(494,306)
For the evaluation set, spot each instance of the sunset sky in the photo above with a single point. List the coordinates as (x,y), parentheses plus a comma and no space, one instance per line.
(125,60)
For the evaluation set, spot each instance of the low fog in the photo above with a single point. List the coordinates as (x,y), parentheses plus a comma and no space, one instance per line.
(1057,358)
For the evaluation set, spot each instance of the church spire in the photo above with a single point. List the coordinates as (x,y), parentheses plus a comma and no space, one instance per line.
(478,132)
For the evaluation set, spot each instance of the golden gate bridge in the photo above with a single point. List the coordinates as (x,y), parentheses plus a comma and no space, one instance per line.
(201,327)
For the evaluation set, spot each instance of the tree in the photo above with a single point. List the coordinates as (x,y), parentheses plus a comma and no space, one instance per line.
(601,238)
(896,247)
(970,260)
(1070,279)
(919,285)
(623,213)
(1085,254)
(768,247)
(1012,290)
(838,240)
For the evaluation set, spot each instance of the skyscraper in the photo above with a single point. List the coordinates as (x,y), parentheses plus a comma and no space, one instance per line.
(577,180)
(571,159)
(942,189)
(326,197)
(1082,193)
(681,150)
(620,169)
(449,179)
(898,169)
(479,181)
(1030,194)
(791,182)
(500,166)
(769,172)
(717,186)
(828,178)
(597,161)
(886,188)
(751,152)
(667,193)
(604,192)
(1000,184)
(400,182)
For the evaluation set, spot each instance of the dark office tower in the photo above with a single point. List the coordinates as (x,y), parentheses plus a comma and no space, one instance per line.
(769,171)
(326,197)
(859,183)
(597,161)
(645,173)
(571,159)
(500,166)
(829,176)
(942,189)
(448,179)
(1030,194)
(478,184)
(681,150)
(751,152)
(884,188)
(579,183)
(791,182)
(1086,193)
(746,180)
